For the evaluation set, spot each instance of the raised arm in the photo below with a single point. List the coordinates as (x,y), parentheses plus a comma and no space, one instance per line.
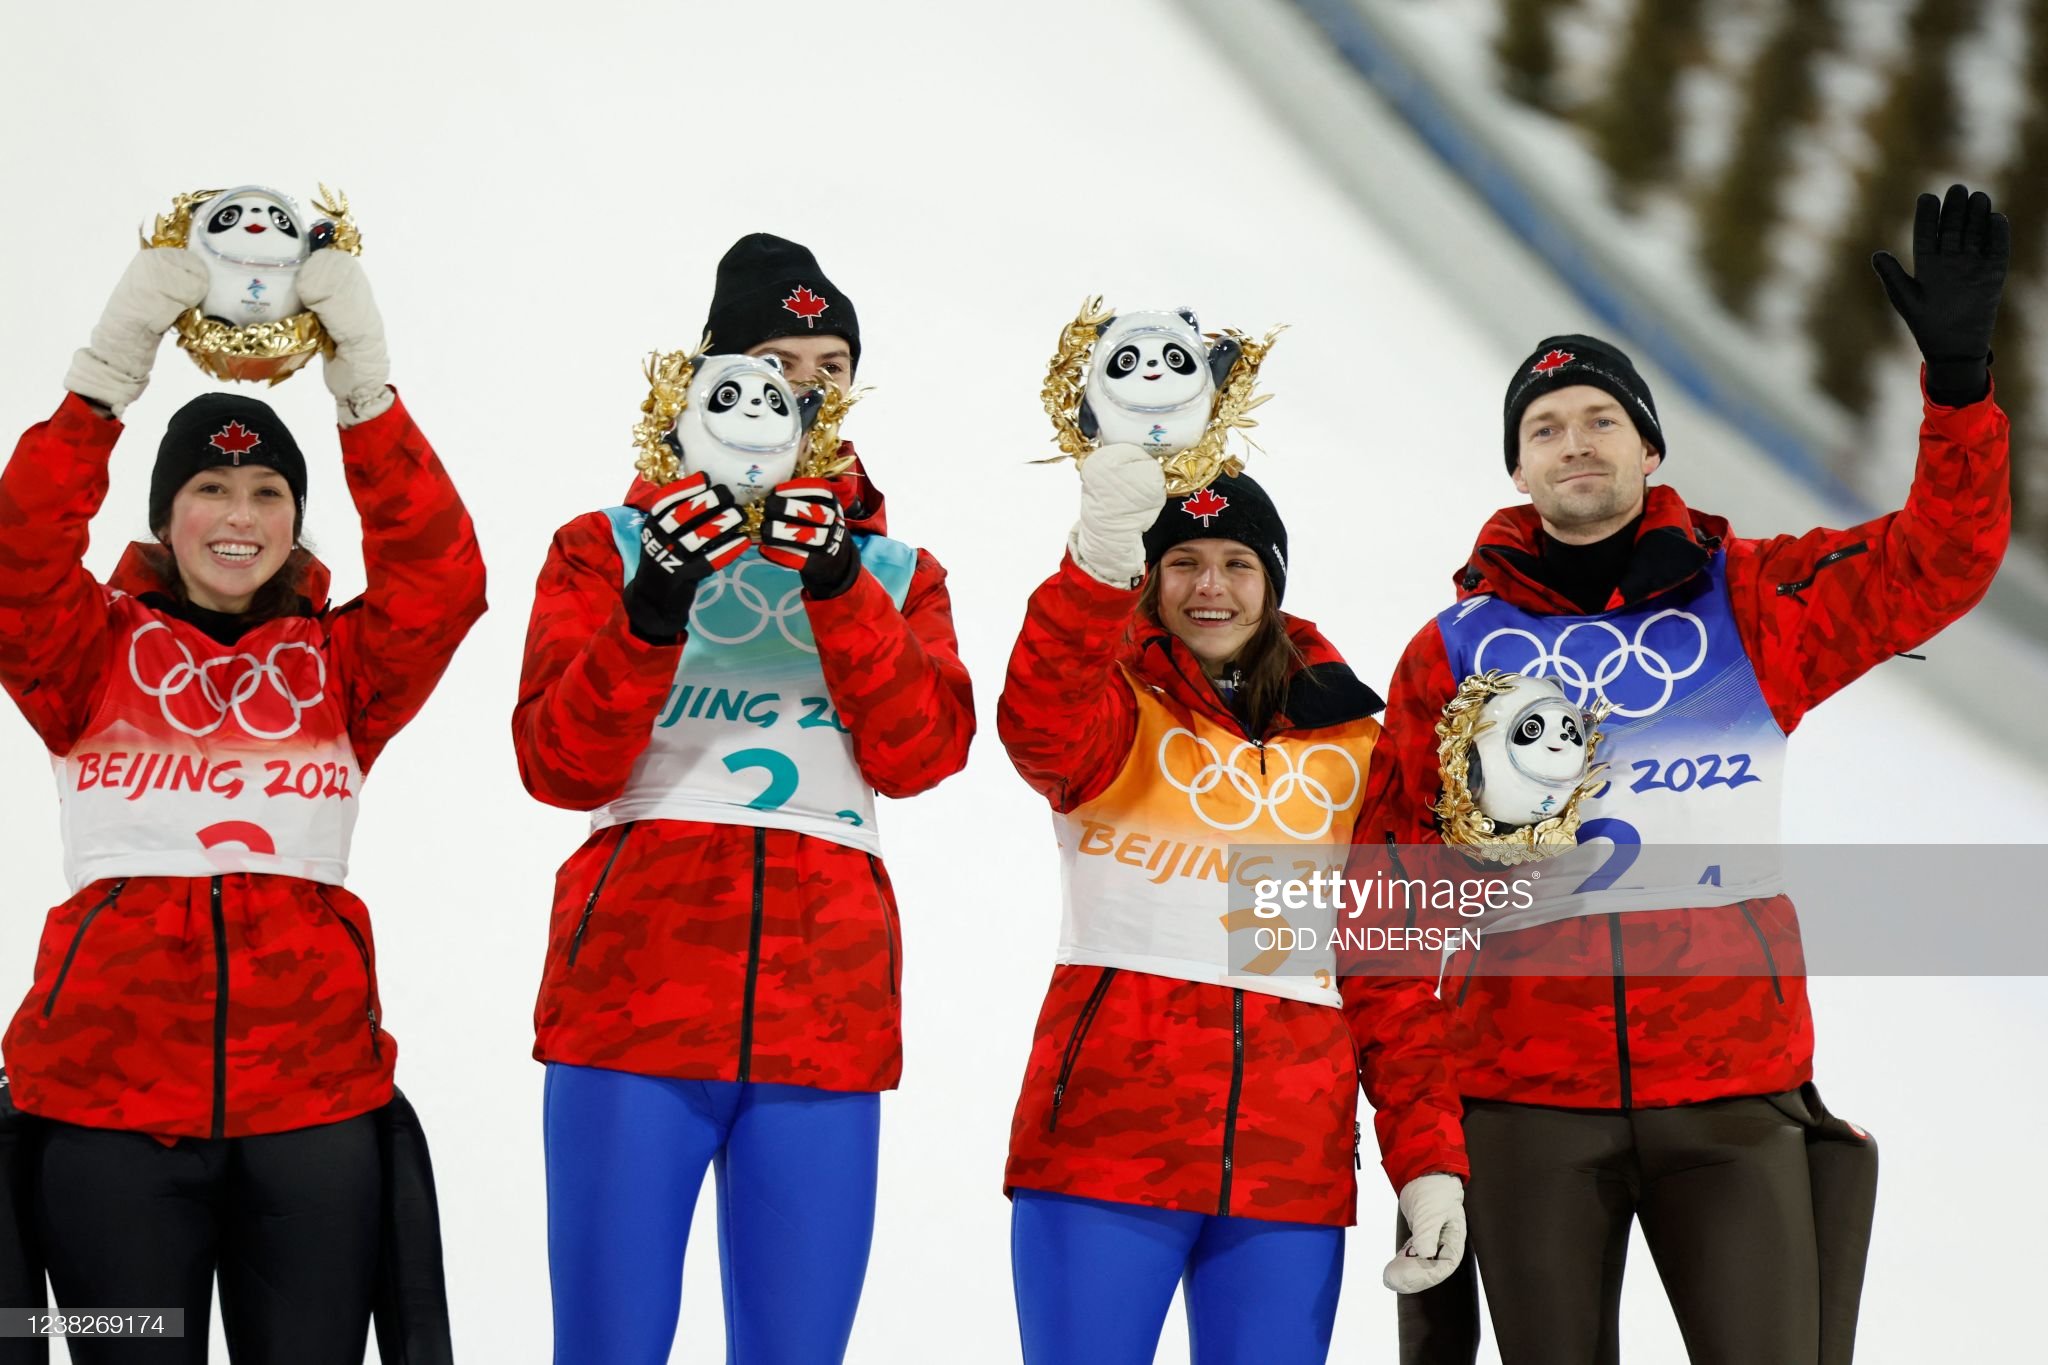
(425,574)
(1067,717)
(53,614)
(896,679)
(590,686)
(1819,610)
(425,578)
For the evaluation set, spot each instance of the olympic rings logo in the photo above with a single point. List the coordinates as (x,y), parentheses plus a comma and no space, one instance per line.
(261,691)
(1293,787)
(1652,664)
(727,598)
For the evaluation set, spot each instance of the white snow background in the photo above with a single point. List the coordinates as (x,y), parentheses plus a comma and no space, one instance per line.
(544,192)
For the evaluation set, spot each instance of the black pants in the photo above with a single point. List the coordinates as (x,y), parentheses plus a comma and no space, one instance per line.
(290,1222)
(1721,1189)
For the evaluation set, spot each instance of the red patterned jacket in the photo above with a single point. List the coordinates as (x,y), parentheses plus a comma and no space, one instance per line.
(1637,1016)
(1180,1094)
(720,951)
(242,1003)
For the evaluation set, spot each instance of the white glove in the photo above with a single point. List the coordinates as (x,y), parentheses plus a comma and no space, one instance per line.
(333,286)
(1122,490)
(1434,1206)
(158,285)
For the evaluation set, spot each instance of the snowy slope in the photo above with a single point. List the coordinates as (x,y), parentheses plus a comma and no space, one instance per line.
(543,194)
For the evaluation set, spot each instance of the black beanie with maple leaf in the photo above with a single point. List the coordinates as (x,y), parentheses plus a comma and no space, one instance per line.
(1232,508)
(771,287)
(1559,362)
(217,429)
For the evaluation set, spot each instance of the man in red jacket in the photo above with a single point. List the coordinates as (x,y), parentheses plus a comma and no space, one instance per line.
(723,963)
(1657,1064)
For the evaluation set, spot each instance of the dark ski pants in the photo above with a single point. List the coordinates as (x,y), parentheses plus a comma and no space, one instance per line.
(1722,1192)
(289,1222)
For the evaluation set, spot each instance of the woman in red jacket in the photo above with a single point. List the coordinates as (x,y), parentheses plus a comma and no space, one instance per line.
(723,964)
(202,1038)
(1181,1121)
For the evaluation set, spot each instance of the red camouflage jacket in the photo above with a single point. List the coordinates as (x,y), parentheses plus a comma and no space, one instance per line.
(728,952)
(1179,1094)
(247,1002)
(1814,613)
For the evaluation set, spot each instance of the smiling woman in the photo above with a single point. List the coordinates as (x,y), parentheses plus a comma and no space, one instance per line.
(1187,1116)
(202,1044)
(228,499)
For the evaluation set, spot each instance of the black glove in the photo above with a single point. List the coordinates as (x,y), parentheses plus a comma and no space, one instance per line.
(693,530)
(1950,303)
(802,529)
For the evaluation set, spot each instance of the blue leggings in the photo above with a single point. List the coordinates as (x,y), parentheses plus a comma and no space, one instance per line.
(796,1211)
(1094,1280)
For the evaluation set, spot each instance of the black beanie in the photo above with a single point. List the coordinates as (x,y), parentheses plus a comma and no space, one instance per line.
(770,287)
(218,429)
(1231,508)
(1559,363)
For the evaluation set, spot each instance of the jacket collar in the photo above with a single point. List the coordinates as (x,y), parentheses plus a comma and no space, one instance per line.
(1323,693)
(1673,543)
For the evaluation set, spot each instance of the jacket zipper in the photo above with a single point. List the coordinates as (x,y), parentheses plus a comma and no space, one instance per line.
(753,958)
(364,710)
(1470,972)
(76,939)
(590,902)
(1082,1021)
(1793,589)
(1620,1011)
(888,924)
(220,1014)
(1763,943)
(369,981)
(1357,1128)
(1236,1091)
(1218,709)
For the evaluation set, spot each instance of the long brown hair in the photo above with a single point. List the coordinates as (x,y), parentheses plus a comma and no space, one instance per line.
(283,594)
(1267,663)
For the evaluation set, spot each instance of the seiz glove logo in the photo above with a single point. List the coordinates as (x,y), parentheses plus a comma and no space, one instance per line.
(693,529)
(655,552)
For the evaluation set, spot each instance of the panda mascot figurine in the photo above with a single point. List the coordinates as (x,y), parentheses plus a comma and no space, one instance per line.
(252,241)
(1517,760)
(1153,381)
(1530,753)
(742,427)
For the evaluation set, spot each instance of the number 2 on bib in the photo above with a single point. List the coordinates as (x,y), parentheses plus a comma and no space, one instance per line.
(781,770)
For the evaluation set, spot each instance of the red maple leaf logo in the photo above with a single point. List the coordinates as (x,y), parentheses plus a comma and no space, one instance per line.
(1552,361)
(1204,505)
(806,305)
(235,439)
